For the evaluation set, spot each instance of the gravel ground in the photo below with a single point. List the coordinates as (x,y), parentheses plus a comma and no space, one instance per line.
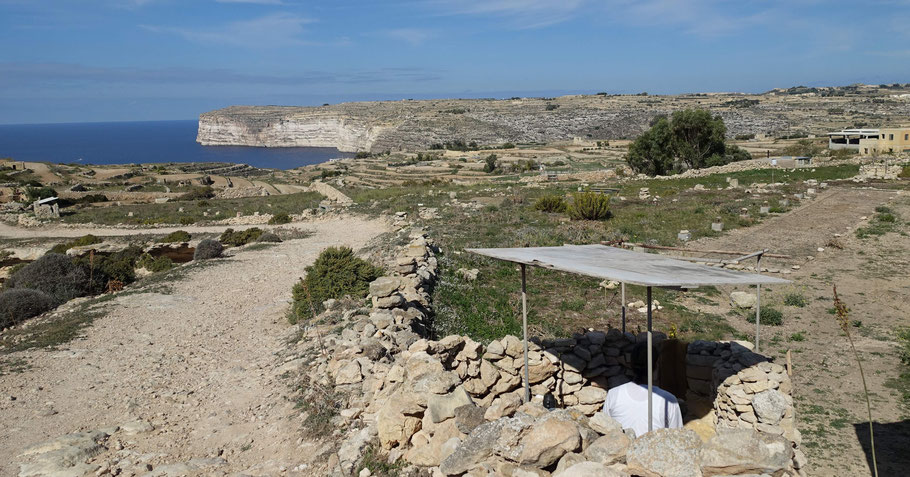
(197,362)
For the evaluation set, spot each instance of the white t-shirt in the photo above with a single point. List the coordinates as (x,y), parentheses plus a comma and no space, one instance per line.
(628,404)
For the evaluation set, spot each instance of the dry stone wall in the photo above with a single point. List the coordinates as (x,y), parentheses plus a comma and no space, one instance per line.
(455,406)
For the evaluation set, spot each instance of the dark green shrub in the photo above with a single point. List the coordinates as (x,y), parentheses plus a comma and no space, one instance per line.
(185,220)
(119,266)
(551,203)
(237,238)
(178,236)
(20,304)
(280,219)
(208,248)
(905,172)
(269,237)
(335,273)
(795,299)
(490,164)
(590,206)
(38,193)
(54,274)
(767,316)
(79,242)
(155,265)
(198,193)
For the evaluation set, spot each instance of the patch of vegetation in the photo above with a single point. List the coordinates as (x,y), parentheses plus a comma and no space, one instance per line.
(590,206)
(767,316)
(208,249)
(490,164)
(198,193)
(178,236)
(335,273)
(39,193)
(54,274)
(901,383)
(233,238)
(804,147)
(795,299)
(551,203)
(319,406)
(53,331)
(885,220)
(798,336)
(20,304)
(378,463)
(280,218)
(79,242)
(269,237)
(155,265)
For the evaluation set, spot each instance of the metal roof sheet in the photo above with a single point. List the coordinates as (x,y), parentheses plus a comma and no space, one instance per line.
(637,268)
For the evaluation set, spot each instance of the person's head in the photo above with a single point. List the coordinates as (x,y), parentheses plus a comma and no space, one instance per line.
(640,361)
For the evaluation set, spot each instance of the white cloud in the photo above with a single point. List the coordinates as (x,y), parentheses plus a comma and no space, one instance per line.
(275,30)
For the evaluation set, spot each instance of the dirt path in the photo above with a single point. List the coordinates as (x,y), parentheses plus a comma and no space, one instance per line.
(197,362)
(57,231)
(873,278)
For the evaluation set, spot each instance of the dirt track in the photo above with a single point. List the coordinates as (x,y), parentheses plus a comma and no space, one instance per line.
(196,361)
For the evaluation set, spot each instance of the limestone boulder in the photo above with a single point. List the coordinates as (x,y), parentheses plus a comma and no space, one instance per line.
(468,417)
(398,419)
(438,448)
(608,449)
(590,469)
(384,286)
(442,407)
(548,441)
(503,406)
(743,299)
(745,451)
(475,448)
(604,424)
(665,453)
(771,405)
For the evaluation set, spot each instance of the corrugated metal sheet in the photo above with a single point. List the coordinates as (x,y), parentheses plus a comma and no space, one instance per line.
(637,268)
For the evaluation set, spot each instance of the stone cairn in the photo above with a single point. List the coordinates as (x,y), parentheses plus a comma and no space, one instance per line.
(454,406)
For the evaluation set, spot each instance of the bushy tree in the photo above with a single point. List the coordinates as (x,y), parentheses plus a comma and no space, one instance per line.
(652,152)
(335,273)
(19,304)
(697,136)
(208,248)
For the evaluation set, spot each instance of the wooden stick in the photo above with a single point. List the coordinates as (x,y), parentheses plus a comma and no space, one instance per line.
(680,249)
(789,364)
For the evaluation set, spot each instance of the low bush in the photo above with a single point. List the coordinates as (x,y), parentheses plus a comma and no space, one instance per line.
(54,274)
(79,242)
(198,193)
(117,267)
(20,304)
(767,316)
(38,193)
(795,299)
(335,273)
(155,265)
(590,206)
(905,172)
(551,203)
(490,164)
(280,219)
(269,237)
(208,248)
(178,236)
(233,238)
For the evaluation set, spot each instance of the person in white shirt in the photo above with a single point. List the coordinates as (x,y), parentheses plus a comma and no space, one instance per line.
(628,404)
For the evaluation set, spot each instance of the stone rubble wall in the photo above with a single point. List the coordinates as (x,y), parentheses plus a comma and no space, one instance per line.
(454,405)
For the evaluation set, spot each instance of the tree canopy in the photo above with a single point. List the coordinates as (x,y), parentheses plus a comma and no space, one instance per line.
(689,139)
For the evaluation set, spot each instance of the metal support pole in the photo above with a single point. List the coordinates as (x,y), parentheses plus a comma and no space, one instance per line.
(650,368)
(524,327)
(623,286)
(757,305)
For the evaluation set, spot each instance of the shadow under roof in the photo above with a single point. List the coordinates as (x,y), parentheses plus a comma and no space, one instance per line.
(627,266)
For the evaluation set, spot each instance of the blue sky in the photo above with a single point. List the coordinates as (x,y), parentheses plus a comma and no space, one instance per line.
(115,60)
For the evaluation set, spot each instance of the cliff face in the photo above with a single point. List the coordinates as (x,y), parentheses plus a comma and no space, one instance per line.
(283,127)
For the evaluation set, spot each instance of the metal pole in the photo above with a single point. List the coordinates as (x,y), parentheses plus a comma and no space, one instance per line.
(623,285)
(650,368)
(524,327)
(757,305)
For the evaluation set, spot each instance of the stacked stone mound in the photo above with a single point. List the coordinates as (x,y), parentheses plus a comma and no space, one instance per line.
(454,406)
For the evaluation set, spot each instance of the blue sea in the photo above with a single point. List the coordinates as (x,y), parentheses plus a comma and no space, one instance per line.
(142,142)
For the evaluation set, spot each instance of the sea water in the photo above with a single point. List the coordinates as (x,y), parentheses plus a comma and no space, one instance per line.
(143,142)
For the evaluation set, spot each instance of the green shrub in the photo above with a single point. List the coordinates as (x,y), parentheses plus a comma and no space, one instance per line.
(767,316)
(178,236)
(38,193)
(798,336)
(198,193)
(335,273)
(280,219)
(54,274)
(79,242)
(20,304)
(208,248)
(590,206)
(905,173)
(154,265)
(237,238)
(795,299)
(119,266)
(269,237)
(551,203)
(490,164)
